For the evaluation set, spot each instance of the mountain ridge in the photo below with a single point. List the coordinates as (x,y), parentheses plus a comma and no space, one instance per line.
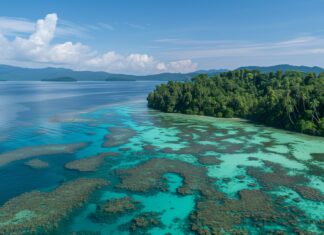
(284,68)
(13,73)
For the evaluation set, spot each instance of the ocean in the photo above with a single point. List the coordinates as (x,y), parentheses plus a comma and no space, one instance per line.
(163,173)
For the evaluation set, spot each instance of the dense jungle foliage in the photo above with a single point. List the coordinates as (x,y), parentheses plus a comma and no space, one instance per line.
(291,100)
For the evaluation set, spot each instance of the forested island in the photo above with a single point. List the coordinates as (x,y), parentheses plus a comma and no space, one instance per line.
(289,100)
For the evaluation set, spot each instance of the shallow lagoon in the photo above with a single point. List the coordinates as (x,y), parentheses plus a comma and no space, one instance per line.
(283,169)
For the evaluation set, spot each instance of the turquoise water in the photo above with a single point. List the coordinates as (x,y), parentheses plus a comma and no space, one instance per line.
(251,157)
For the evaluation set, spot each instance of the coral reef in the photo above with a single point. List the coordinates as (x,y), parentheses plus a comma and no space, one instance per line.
(37,151)
(89,164)
(309,193)
(253,206)
(209,160)
(113,208)
(118,136)
(216,213)
(37,164)
(145,221)
(149,147)
(211,217)
(253,159)
(41,212)
(149,176)
(318,157)
(280,177)
(83,233)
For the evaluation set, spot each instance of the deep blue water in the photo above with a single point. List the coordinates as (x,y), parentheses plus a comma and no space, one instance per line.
(27,110)
(32,102)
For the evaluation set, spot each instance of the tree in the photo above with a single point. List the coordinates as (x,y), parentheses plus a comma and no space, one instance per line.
(291,100)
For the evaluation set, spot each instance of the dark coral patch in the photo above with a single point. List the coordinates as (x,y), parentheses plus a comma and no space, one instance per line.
(280,177)
(309,193)
(41,212)
(228,216)
(148,147)
(83,233)
(149,176)
(118,136)
(145,221)
(209,160)
(114,207)
(318,157)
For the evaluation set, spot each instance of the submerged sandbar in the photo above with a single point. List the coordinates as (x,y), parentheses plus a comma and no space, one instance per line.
(37,164)
(37,151)
(89,164)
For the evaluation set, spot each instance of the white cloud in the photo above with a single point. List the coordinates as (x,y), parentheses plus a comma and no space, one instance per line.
(45,29)
(20,26)
(161,66)
(10,25)
(140,60)
(180,66)
(137,63)
(318,51)
(188,42)
(303,46)
(39,50)
(108,58)
(298,41)
(68,53)
(106,26)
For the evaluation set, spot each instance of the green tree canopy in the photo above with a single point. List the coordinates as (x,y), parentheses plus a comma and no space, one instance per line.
(292,100)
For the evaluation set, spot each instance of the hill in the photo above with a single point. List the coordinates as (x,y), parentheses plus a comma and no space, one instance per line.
(12,73)
(285,68)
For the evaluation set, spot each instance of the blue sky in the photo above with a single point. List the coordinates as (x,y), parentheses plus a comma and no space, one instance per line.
(147,36)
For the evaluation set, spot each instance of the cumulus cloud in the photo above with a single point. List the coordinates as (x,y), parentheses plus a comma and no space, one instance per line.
(161,67)
(39,49)
(114,62)
(45,29)
(180,66)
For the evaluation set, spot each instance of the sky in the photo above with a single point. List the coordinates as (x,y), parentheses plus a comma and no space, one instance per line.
(155,36)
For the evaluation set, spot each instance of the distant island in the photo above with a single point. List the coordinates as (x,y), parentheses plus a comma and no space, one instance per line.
(12,73)
(290,100)
(60,79)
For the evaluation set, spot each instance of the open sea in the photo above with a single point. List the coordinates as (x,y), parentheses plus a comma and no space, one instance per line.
(164,173)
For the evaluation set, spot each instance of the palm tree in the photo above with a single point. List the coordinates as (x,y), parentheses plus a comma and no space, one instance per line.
(289,106)
(314,104)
